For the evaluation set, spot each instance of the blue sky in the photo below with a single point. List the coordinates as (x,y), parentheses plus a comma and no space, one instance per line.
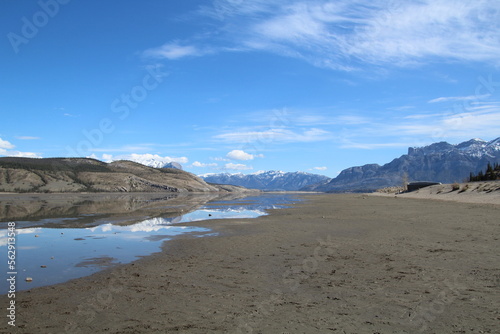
(247,85)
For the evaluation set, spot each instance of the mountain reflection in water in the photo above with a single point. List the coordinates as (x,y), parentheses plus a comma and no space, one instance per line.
(64,236)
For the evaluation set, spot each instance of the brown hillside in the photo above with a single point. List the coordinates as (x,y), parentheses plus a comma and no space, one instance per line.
(90,175)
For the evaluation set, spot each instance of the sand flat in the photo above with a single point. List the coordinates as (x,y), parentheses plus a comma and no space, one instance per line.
(485,192)
(330,264)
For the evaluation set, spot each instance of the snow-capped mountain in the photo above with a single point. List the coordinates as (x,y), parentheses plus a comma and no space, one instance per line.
(173,164)
(438,162)
(154,161)
(267,180)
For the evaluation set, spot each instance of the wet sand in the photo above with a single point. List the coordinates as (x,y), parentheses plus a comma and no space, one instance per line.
(330,264)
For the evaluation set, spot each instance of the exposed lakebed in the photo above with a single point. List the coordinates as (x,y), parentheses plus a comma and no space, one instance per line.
(60,237)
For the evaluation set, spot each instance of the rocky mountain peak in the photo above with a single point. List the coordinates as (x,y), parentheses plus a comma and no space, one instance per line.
(267,180)
(438,162)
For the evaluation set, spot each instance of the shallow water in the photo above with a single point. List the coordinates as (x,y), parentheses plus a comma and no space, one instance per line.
(59,238)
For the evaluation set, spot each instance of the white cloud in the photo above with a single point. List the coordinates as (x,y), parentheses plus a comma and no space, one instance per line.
(352,120)
(320,168)
(242,155)
(174,50)
(5,144)
(344,33)
(181,160)
(141,158)
(223,9)
(459,98)
(374,146)
(200,164)
(462,125)
(27,138)
(237,166)
(107,157)
(219,159)
(402,108)
(276,135)
(5,150)
(22,154)
(127,148)
(478,120)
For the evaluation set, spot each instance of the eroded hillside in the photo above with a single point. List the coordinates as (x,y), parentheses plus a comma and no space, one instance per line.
(90,175)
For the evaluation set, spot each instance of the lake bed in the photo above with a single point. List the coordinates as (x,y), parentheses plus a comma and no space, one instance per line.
(59,238)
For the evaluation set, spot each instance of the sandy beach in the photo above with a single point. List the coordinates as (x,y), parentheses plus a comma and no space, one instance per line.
(329,264)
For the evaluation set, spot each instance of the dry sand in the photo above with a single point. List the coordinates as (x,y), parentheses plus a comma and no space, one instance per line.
(487,192)
(330,264)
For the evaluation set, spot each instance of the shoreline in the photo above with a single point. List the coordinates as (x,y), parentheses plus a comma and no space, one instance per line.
(482,192)
(331,263)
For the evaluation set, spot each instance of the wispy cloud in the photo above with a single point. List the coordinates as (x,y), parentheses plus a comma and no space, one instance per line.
(233,166)
(346,33)
(203,165)
(175,50)
(275,135)
(27,138)
(460,125)
(478,119)
(373,146)
(402,108)
(459,98)
(224,9)
(126,148)
(476,122)
(313,119)
(219,159)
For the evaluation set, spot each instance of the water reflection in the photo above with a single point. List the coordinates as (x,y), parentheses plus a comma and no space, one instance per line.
(51,255)
(61,237)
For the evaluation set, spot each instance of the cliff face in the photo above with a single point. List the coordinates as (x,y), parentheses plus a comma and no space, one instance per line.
(89,175)
(439,162)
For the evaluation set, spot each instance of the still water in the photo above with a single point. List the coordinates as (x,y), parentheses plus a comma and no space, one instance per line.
(60,237)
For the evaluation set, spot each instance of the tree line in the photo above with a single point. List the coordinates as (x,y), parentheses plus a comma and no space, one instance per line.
(492,173)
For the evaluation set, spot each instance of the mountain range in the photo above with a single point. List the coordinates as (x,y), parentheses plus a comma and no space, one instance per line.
(438,162)
(154,161)
(90,175)
(268,181)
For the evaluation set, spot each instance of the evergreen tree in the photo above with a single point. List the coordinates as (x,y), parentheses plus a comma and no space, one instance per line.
(492,173)
(489,169)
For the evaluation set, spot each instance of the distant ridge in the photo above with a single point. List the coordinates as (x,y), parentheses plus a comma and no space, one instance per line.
(90,175)
(438,162)
(150,160)
(267,180)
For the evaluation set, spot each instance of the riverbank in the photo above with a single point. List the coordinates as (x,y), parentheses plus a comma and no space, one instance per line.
(333,263)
